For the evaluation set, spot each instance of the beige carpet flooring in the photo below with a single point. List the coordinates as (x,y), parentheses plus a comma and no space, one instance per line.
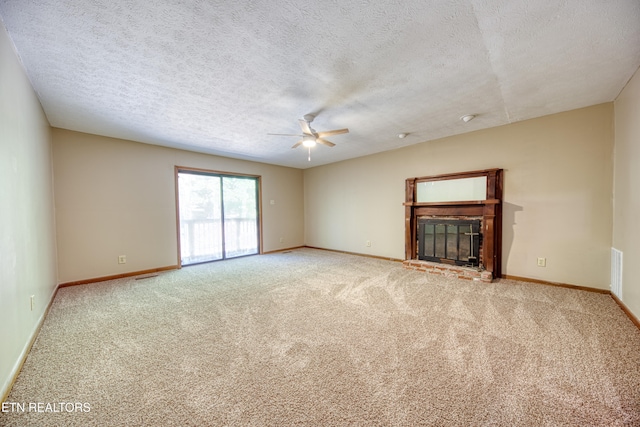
(319,338)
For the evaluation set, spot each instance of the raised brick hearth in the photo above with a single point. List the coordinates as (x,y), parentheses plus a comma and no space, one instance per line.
(449,270)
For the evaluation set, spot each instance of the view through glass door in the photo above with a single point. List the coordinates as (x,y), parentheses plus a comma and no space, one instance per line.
(218,216)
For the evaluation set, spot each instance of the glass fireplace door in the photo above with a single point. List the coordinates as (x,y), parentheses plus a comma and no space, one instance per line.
(449,241)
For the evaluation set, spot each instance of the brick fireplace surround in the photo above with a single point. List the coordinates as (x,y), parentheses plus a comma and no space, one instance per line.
(490,210)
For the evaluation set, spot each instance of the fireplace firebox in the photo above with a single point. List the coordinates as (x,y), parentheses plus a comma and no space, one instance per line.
(449,241)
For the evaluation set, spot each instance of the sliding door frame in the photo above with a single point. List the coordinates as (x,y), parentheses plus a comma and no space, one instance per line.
(186,169)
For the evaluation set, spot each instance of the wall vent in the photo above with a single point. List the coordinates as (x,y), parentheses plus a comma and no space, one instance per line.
(616,273)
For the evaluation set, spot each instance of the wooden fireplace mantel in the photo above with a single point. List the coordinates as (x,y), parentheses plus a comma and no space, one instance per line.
(462,203)
(489,209)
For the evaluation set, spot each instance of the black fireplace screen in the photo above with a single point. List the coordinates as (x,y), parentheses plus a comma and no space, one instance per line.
(449,241)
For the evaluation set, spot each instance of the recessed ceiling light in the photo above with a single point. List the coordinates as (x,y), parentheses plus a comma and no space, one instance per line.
(467,118)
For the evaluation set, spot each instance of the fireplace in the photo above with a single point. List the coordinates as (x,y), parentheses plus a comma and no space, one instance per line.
(455,220)
(449,241)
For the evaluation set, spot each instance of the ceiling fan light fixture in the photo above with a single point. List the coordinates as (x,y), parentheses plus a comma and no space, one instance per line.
(309,141)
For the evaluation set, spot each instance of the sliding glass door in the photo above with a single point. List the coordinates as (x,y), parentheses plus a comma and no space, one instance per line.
(240,214)
(218,216)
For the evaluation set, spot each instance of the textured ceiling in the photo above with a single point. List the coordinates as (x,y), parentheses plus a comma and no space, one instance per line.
(217,75)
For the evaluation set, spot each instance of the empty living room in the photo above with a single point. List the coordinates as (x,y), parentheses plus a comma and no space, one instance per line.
(390,213)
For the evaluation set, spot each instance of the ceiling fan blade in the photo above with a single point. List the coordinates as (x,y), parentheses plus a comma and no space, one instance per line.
(285,134)
(297,144)
(332,132)
(304,125)
(325,142)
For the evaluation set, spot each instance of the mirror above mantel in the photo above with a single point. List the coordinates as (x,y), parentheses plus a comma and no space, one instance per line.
(452,190)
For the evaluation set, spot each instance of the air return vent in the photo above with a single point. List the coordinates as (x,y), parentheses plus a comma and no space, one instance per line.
(616,273)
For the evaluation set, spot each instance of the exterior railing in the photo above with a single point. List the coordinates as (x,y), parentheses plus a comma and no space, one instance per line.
(201,239)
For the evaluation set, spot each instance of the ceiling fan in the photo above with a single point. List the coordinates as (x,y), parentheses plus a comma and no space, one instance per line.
(309,135)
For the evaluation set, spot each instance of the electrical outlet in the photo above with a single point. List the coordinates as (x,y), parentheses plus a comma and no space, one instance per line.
(368,243)
(122,259)
(32,301)
(542,262)
(282,240)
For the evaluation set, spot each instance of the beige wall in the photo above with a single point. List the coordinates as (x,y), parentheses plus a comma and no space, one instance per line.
(117,197)
(626,205)
(27,236)
(557,194)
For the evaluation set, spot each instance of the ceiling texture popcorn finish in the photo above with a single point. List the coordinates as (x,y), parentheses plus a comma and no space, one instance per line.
(218,76)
